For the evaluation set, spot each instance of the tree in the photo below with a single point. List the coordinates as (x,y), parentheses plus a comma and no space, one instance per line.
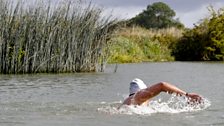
(157,15)
(215,46)
(203,42)
(191,47)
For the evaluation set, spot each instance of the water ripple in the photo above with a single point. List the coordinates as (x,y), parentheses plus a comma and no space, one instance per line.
(173,105)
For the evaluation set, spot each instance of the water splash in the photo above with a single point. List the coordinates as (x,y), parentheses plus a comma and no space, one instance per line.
(174,104)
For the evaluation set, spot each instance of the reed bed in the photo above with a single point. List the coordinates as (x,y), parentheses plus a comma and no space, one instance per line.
(151,33)
(42,38)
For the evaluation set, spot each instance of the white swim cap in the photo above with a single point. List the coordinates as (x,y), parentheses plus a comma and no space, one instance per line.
(136,85)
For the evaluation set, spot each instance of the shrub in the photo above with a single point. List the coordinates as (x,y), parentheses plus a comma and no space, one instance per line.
(215,46)
(191,45)
(203,42)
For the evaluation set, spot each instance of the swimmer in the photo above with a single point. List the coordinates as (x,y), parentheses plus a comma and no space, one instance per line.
(139,93)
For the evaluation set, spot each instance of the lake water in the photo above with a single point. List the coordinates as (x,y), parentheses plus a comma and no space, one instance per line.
(91,99)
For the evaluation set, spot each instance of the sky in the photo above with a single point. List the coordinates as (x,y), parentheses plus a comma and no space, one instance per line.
(189,12)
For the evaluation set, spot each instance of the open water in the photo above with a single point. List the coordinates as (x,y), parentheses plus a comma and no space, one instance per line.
(91,99)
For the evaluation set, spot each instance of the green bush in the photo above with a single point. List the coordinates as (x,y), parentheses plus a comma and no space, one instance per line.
(191,45)
(203,42)
(215,45)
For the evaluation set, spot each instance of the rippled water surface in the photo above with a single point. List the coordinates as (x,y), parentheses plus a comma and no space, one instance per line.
(91,99)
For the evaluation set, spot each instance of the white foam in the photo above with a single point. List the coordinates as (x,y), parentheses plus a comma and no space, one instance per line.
(174,104)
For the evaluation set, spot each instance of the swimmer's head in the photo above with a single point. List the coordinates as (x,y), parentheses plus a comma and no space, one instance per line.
(136,85)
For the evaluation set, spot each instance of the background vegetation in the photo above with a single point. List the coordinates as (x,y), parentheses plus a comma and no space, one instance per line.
(152,41)
(137,44)
(158,15)
(205,41)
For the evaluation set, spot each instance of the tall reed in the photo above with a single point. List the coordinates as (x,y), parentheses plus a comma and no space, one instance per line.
(41,38)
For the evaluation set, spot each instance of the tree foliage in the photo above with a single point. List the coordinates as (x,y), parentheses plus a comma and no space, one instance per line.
(203,42)
(215,47)
(157,15)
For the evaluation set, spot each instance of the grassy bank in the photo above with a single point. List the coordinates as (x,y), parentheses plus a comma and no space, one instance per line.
(137,44)
(42,38)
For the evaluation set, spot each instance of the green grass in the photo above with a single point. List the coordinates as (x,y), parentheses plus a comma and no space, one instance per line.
(124,50)
(136,44)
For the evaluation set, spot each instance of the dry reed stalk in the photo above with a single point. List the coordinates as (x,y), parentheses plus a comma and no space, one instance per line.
(68,38)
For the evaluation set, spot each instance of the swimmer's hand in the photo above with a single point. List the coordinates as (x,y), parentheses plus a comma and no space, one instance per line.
(193,97)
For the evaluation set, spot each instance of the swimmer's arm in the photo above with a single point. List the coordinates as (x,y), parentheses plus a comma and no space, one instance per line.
(193,97)
(155,89)
(166,87)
